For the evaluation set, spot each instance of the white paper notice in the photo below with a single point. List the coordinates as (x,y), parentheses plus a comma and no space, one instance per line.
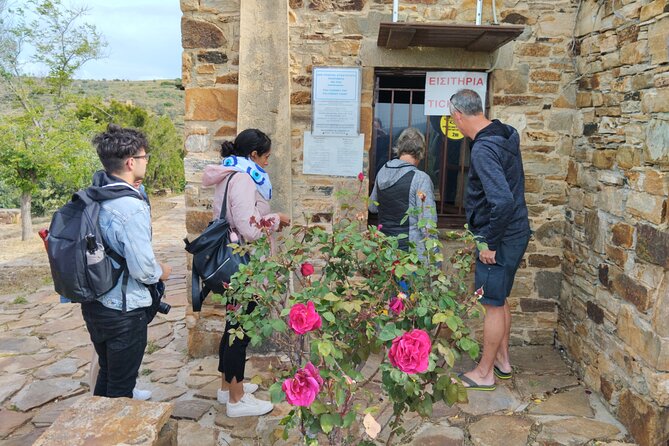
(333,155)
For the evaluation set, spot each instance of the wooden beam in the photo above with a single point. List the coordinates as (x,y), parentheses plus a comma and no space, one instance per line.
(399,39)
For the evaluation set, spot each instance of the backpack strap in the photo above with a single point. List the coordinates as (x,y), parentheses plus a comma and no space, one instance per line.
(225,197)
(198,295)
(116,274)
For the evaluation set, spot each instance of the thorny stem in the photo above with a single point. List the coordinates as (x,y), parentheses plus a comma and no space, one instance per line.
(392,432)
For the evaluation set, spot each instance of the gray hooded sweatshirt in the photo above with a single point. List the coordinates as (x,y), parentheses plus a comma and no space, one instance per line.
(396,190)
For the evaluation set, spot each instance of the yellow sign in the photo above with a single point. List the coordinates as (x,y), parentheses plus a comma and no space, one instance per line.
(449,128)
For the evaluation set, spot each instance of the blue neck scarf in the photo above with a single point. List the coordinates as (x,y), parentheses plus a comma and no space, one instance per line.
(257,174)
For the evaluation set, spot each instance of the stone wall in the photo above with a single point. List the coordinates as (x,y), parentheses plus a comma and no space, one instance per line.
(586,87)
(532,86)
(614,309)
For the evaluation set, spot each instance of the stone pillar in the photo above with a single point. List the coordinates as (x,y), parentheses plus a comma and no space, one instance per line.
(264,87)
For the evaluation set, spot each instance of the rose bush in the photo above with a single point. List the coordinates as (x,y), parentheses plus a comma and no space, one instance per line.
(360,310)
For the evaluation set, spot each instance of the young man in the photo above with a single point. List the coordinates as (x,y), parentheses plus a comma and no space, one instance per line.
(119,334)
(497,214)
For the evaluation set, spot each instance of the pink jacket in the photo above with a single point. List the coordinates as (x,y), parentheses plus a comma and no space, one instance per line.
(244,201)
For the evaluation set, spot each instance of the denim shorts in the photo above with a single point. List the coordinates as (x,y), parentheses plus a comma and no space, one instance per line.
(497,279)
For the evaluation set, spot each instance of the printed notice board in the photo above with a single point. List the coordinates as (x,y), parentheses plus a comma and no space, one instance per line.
(333,155)
(335,101)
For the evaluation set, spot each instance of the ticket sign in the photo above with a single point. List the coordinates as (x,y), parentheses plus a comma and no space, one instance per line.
(441,85)
(449,128)
(335,101)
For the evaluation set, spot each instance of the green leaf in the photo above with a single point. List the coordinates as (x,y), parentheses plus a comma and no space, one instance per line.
(425,407)
(279,325)
(324,348)
(389,332)
(329,421)
(318,407)
(438,318)
(451,394)
(452,323)
(276,392)
(349,418)
(331,297)
(328,316)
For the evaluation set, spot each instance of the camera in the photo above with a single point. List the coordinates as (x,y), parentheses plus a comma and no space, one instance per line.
(164,308)
(157,291)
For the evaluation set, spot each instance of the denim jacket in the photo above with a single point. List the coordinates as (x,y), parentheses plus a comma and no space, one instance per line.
(126,226)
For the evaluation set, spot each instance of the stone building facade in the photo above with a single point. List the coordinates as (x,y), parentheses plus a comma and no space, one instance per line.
(585,85)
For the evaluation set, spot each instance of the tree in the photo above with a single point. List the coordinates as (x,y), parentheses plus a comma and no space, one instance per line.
(41,141)
(166,168)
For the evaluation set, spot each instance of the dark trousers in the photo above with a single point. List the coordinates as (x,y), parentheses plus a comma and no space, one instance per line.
(119,340)
(232,358)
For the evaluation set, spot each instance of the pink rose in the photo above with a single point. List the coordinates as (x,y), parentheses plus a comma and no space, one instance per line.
(307,269)
(411,351)
(304,318)
(314,373)
(301,390)
(396,305)
(361,177)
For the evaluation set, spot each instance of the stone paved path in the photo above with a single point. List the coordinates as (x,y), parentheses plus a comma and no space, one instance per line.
(45,356)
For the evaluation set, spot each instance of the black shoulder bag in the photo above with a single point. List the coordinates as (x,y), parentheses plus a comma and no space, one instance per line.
(213,260)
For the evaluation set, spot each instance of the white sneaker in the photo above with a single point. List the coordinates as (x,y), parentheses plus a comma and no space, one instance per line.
(223,396)
(141,395)
(248,406)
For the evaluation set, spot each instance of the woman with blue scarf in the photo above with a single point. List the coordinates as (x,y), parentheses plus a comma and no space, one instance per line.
(248,198)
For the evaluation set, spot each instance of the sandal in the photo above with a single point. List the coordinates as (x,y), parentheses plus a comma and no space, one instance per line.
(502,375)
(473,385)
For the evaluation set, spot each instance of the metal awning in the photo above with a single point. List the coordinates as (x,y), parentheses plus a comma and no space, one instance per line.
(484,38)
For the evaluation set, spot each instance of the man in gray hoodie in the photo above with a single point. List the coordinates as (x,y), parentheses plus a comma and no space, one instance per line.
(401,186)
(497,215)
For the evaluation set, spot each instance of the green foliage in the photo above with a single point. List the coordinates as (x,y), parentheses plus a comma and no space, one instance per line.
(49,162)
(10,197)
(361,270)
(165,169)
(41,142)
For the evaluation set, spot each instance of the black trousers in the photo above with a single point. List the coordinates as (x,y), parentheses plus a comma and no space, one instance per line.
(119,340)
(232,358)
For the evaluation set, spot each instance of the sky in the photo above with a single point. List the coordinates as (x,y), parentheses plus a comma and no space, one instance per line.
(143,39)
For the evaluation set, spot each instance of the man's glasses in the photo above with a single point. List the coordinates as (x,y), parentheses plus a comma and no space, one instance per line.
(454,107)
(146,156)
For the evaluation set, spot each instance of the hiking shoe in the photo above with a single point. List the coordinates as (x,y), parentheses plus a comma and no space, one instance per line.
(248,406)
(224,395)
(141,395)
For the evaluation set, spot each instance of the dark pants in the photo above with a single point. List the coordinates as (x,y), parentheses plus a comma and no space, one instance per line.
(497,279)
(232,358)
(119,340)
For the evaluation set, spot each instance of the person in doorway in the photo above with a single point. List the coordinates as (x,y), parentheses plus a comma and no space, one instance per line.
(248,197)
(117,321)
(497,215)
(400,186)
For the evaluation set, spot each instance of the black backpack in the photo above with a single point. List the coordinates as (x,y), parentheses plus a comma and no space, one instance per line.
(81,263)
(213,260)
